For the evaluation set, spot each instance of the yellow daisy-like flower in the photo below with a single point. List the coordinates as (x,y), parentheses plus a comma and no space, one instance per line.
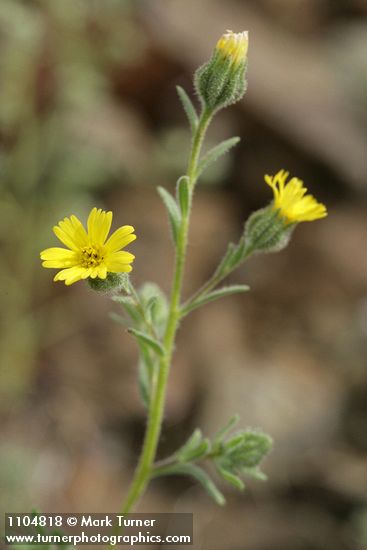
(292,201)
(89,254)
(233,45)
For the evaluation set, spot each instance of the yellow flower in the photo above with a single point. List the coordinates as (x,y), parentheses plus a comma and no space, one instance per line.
(89,254)
(233,45)
(292,201)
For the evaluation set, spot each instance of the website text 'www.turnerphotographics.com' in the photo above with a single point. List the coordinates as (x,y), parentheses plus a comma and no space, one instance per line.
(98,529)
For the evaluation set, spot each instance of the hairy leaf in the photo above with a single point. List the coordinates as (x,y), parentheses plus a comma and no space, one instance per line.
(197,473)
(215,153)
(147,341)
(174,213)
(183,194)
(188,108)
(214,295)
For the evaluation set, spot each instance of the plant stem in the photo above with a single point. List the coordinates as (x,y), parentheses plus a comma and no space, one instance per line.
(143,471)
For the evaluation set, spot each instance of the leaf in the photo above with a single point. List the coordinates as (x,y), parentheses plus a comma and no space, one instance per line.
(231,478)
(128,304)
(183,194)
(197,473)
(222,268)
(199,452)
(215,153)
(155,304)
(214,295)
(218,438)
(150,305)
(193,441)
(146,340)
(234,442)
(254,473)
(144,381)
(119,319)
(174,213)
(188,108)
(195,447)
(238,255)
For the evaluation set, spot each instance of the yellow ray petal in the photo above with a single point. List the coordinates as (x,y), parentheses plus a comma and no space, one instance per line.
(116,265)
(71,232)
(120,238)
(99,224)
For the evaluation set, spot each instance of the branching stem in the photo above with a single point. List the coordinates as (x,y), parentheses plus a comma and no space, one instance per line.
(144,470)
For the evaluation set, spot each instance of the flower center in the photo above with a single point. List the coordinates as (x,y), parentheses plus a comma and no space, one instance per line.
(91,256)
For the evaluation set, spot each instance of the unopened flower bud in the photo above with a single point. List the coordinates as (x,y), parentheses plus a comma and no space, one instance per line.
(221,81)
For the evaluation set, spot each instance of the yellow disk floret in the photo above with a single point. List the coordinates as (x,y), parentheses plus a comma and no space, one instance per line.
(89,253)
(233,45)
(292,201)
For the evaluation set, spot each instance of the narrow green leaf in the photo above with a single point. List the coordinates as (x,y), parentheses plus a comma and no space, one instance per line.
(199,452)
(183,194)
(174,213)
(188,108)
(238,255)
(231,478)
(215,153)
(154,299)
(193,441)
(130,307)
(150,305)
(197,473)
(254,473)
(235,441)
(195,447)
(144,382)
(218,438)
(119,319)
(146,340)
(222,268)
(214,295)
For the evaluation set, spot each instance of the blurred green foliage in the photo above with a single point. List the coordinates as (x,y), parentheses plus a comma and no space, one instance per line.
(55,65)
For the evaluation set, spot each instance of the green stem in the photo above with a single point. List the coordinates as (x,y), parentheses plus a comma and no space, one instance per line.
(143,471)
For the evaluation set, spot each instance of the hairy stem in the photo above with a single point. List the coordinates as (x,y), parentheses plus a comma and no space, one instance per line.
(144,468)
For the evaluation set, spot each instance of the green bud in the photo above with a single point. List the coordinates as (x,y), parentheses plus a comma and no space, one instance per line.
(267,231)
(222,80)
(114,282)
(244,452)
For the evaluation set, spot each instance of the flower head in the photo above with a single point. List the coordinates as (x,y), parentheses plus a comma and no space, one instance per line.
(88,253)
(234,46)
(292,201)
(222,80)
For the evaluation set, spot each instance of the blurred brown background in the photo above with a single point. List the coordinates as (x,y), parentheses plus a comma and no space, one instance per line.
(89,116)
